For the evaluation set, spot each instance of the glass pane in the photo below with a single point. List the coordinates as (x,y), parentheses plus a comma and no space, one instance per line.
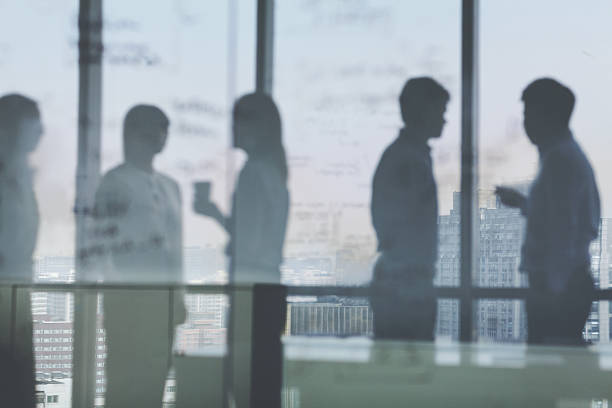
(500,321)
(447,322)
(331,316)
(53,43)
(580,60)
(186,61)
(598,326)
(340,67)
(53,337)
(179,57)
(38,61)
(206,324)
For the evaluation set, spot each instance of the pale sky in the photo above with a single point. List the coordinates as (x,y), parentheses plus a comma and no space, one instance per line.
(339,67)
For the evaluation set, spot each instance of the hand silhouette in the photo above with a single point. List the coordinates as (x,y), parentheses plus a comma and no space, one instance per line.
(203,206)
(511,197)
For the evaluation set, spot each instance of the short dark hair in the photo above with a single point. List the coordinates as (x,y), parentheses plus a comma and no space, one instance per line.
(14,108)
(419,94)
(144,117)
(551,98)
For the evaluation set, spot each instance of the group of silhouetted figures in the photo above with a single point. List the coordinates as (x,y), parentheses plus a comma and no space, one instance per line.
(138,226)
(562,211)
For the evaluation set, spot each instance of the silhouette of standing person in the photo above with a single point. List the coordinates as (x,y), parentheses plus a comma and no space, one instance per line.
(138,211)
(562,211)
(256,227)
(20,132)
(405,216)
(258,221)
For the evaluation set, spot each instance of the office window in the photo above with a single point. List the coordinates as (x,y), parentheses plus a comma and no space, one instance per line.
(175,56)
(500,321)
(558,39)
(23,51)
(339,69)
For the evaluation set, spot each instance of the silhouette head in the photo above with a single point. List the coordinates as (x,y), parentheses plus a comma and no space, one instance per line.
(423,104)
(145,130)
(257,129)
(20,126)
(548,107)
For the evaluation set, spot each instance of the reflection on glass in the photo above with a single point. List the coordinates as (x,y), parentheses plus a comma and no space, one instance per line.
(197,68)
(54,162)
(578,60)
(339,69)
(138,215)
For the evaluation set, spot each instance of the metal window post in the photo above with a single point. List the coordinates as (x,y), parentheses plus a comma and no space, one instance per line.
(470,228)
(265,46)
(88,173)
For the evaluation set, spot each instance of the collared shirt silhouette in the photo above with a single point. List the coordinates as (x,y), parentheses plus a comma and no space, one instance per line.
(405,216)
(20,132)
(563,215)
(140,222)
(405,202)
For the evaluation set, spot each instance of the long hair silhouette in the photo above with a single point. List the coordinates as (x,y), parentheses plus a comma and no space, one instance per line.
(259,112)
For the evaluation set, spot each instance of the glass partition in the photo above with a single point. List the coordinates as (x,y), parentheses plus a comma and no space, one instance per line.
(339,70)
(548,44)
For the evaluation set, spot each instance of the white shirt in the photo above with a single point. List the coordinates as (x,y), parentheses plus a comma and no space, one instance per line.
(258,223)
(139,225)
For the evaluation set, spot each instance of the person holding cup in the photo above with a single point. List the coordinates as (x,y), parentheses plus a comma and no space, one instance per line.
(256,227)
(260,208)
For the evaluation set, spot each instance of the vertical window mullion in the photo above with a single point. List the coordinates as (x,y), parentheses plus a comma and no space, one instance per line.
(469,164)
(88,174)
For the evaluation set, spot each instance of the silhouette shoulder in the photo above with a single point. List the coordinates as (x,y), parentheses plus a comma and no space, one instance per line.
(568,157)
(170,184)
(114,176)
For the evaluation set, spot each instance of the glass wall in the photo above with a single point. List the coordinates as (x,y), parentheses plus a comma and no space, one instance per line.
(184,58)
(338,70)
(565,41)
(338,73)
(191,60)
(39,59)
(49,40)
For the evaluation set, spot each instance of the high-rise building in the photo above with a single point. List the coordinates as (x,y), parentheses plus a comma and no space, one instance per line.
(298,271)
(339,317)
(599,324)
(501,235)
(51,305)
(53,348)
